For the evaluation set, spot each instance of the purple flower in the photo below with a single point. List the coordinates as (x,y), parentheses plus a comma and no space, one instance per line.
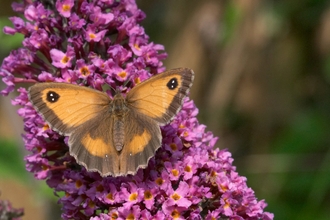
(64,7)
(60,59)
(8,212)
(101,44)
(178,197)
(91,34)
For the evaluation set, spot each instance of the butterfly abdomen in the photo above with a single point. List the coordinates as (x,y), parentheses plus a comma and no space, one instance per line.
(118,133)
(118,111)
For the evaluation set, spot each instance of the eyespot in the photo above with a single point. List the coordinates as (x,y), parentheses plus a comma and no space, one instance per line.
(52,96)
(172,84)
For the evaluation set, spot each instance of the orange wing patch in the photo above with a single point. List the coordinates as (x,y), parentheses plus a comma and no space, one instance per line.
(96,147)
(139,142)
(143,138)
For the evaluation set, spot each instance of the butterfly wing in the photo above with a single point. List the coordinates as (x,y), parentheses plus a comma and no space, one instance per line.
(82,114)
(92,146)
(161,97)
(65,106)
(143,138)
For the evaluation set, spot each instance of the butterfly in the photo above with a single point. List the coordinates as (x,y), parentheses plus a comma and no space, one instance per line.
(113,136)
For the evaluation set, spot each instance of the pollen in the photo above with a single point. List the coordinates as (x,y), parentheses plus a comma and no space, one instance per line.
(227,205)
(147,195)
(45,127)
(39,149)
(133,197)
(99,188)
(110,196)
(85,71)
(176,197)
(65,59)
(92,36)
(78,184)
(223,187)
(114,215)
(91,204)
(130,216)
(44,167)
(182,126)
(174,147)
(122,74)
(137,80)
(175,172)
(214,174)
(187,169)
(66,8)
(136,46)
(159,181)
(175,214)
(186,134)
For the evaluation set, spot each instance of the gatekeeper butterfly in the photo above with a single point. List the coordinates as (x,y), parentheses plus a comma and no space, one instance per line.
(113,136)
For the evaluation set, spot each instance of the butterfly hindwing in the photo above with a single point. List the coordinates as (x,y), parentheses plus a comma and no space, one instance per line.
(161,96)
(142,139)
(92,146)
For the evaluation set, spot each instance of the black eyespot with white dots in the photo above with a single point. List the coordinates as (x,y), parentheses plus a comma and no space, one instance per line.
(52,96)
(172,84)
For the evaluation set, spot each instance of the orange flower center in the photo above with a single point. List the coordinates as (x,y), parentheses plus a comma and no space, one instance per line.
(122,74)
(66,8)
(187,169)
(147,195)
(78,184)
(91,204)
(159,181)
(130,217)
(110,196)
(175,214)
(92,36)
(44,167)
(133,197)
(84,71)
(65,59)
(176,197)
(137,80)
(173,146)
(175,172)
(114,216)
(137,46)
(99,188)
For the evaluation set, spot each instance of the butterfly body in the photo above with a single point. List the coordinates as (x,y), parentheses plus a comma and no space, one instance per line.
(113,136)
(118,110)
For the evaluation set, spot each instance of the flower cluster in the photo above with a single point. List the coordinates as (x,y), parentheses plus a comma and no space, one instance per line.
(8,212)
(99,43)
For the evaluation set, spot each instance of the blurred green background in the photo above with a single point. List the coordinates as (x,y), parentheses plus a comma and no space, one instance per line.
(262,85)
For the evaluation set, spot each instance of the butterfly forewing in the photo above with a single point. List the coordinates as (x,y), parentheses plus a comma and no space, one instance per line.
(66,106)
(161,96)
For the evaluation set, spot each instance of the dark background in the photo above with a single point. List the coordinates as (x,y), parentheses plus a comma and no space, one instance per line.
(262,85)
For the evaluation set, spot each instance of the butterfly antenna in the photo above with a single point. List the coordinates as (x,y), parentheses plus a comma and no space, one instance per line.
(114,91)
(128,80)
